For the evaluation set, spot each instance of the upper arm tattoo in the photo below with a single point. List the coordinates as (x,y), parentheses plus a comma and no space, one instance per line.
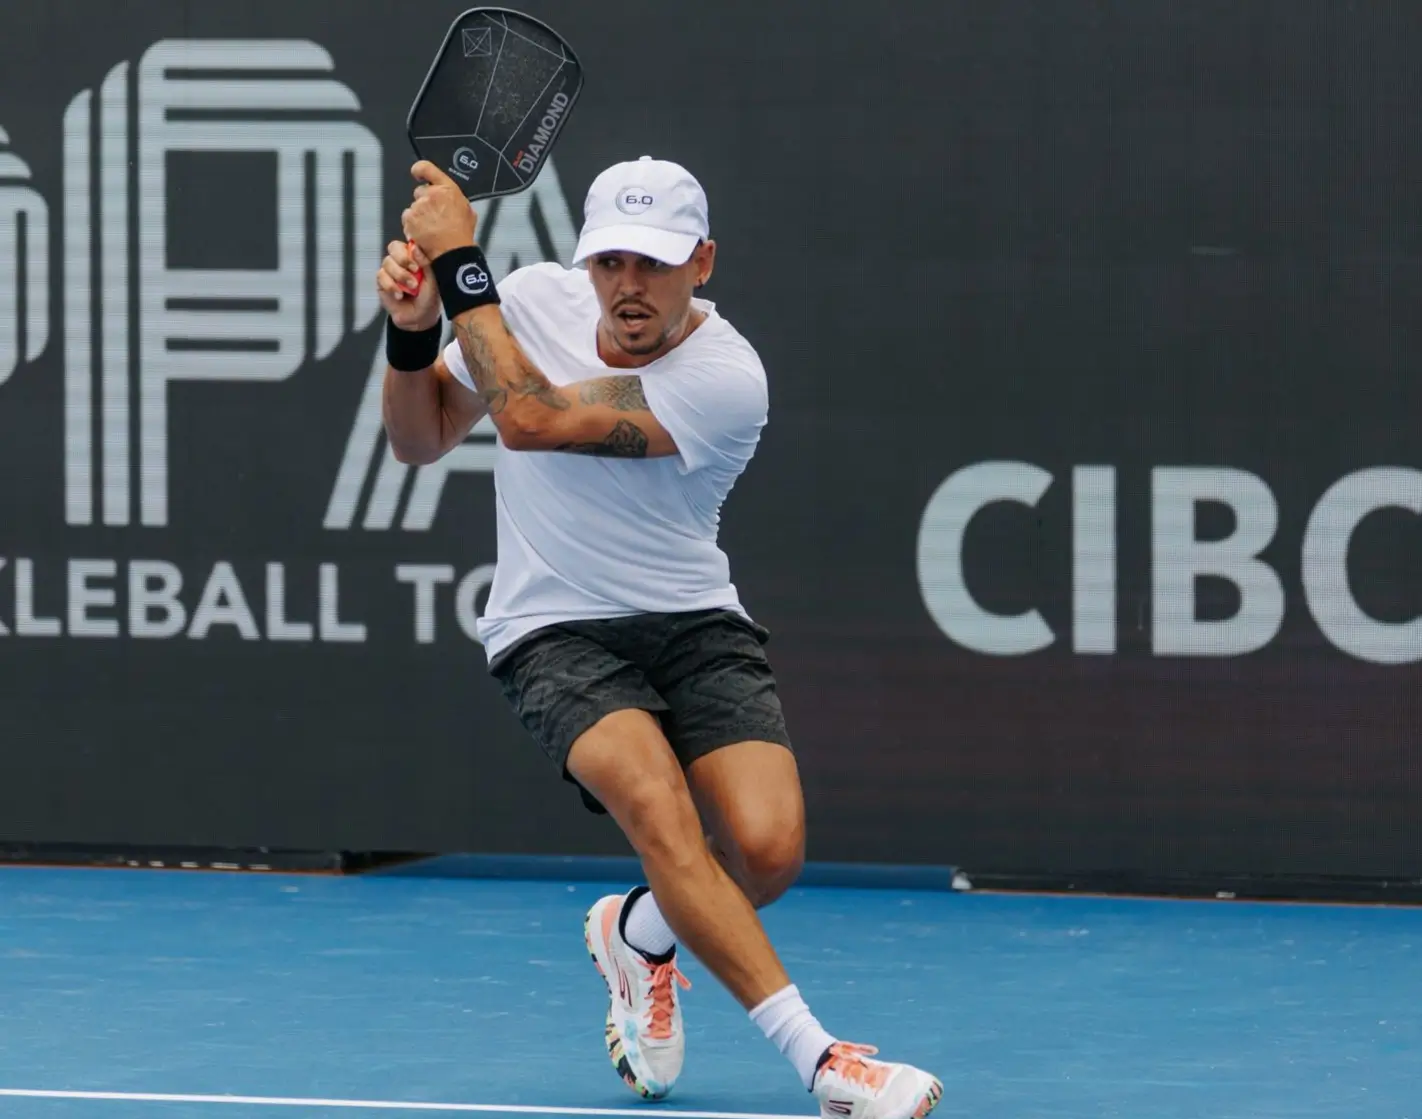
(622,392)
(625,440)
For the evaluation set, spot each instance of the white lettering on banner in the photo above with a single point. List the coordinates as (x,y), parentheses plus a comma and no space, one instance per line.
(26,622)
(155,607)
(509,233)
(1325,565)
(144,599)
(24,234)
(1178,560)
(426,577)
(1094,559)
(465,610)
(332,628)
(940,558)
(223,603)
(194,324)
(84,597)
(278,628)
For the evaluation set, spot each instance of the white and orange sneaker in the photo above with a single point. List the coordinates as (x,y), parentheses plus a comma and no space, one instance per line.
(849,1085)
(644,1030)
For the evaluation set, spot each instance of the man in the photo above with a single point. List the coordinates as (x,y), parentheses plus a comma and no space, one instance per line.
(626,409)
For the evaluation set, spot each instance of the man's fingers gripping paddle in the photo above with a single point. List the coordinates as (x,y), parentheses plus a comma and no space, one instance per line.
(440,217)
(426,172)
(404,268)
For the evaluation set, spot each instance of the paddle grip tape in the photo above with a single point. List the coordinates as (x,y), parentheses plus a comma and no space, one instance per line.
(464,280)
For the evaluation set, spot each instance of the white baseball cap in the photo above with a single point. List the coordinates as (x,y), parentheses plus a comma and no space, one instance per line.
(648,206)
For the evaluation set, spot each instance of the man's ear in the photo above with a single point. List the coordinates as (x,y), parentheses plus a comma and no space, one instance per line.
(706,258)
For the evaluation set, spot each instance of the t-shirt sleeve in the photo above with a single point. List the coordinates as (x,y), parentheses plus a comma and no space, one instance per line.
(713,411)
(454,358)
(513,290)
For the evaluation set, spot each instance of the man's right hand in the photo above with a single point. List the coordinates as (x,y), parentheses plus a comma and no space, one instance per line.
(408,308)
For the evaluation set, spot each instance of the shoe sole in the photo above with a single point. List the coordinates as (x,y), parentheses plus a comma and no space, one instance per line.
(611,1037)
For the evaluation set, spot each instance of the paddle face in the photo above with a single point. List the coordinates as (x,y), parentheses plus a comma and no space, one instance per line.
(494,101)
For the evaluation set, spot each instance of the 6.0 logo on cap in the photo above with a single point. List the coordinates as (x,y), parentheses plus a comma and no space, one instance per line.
(634,200)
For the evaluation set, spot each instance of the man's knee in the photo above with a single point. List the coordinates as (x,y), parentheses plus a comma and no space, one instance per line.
(772,853)
(763,852)
(750,797)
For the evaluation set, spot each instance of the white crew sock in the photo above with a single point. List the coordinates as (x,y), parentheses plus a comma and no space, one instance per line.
(787,1021)
(647,930)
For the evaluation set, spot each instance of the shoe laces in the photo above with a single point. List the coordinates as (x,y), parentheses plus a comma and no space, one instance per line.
(663,975)
(847,1061)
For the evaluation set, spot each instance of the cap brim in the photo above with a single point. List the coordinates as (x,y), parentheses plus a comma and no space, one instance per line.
(669,248)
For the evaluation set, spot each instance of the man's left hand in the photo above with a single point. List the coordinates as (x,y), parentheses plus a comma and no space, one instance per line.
(440,218)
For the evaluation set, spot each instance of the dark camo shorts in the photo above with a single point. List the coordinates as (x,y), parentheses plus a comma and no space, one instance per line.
(703,675)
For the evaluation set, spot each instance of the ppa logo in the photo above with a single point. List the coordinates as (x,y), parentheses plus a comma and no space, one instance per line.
(200,325)
(232,325)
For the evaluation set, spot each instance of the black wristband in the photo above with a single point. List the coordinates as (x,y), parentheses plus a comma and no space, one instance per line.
(464,282)
(409,351)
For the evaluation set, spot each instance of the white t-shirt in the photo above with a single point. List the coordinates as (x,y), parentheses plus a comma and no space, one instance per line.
(581,536)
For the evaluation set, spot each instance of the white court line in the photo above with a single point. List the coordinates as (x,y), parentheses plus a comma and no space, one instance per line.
(387,1105)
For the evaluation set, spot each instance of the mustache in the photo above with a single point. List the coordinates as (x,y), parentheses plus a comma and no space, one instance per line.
(632,305)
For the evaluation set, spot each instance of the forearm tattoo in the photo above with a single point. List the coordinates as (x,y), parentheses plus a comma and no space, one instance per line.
(523,380)
(625,440)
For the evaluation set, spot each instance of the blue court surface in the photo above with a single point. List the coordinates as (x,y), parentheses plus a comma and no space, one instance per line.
(153,993)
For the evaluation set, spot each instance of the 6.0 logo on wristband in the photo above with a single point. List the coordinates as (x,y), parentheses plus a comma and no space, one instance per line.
(472,279)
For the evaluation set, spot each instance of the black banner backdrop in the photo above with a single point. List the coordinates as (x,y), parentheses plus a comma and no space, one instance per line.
(1086,522)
